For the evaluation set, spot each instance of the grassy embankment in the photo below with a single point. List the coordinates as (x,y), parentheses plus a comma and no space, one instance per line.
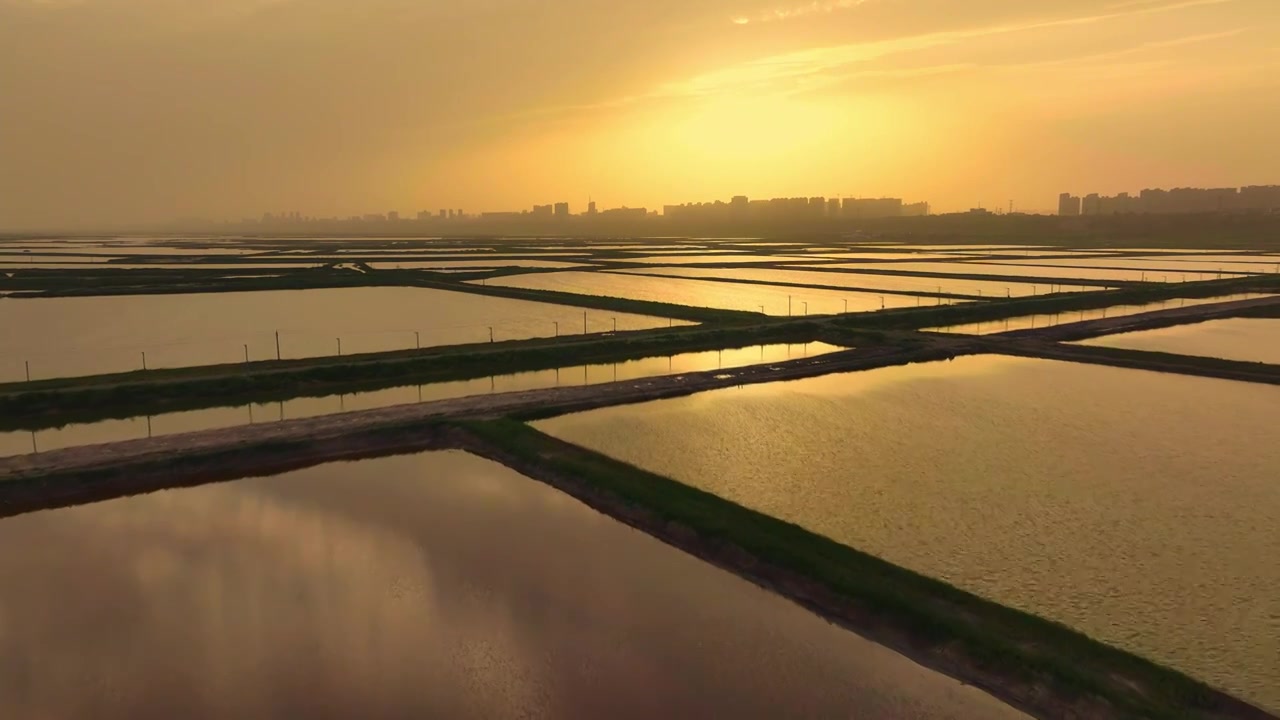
(175,282)
(964,314)
(1037,664)
(50,403)
(56,402)
(1244,371)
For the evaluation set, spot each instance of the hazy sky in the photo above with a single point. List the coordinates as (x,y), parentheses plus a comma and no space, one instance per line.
(138,110)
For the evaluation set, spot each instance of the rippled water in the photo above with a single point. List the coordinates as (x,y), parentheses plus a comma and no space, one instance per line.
(82,336)
(23,442)
(1140,508)
(1247,339)
(431,586)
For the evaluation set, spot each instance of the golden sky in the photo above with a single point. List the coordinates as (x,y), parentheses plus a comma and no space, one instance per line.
(139,110)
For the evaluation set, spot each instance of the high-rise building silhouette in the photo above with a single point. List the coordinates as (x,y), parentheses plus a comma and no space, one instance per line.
(1180,200)
(1068,204)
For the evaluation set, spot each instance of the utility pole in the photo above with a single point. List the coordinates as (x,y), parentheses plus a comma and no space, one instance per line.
(584,322)
(491,334)
(417,340)
(615,324)
(846,306)
(277,345)
(28,364)
(339,347)
(788,306)
(246,353)
(557,324)
(144,360)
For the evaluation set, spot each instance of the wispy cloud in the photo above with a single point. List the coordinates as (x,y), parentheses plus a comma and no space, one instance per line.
(817,68)
(815,7)
(778,69)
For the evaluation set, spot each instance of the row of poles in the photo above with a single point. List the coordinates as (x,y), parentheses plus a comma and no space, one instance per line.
(35,449)
(417,337)
(417,342)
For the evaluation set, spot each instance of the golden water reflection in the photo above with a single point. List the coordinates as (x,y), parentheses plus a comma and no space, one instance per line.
(1135,506)
(23,442)
(436,585)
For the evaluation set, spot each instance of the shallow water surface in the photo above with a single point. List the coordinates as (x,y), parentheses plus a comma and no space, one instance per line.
(1138,507)
(1063,274)
(106,431)
(872,281)
(1246,339)
(776,300)
(1157,269)
(436,585)
(1031,322)
(80,336)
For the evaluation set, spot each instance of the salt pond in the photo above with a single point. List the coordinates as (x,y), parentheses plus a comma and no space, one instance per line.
(776,300)
(78,336)
(23,442)
(432,585)
(1246,339)
(1138,507)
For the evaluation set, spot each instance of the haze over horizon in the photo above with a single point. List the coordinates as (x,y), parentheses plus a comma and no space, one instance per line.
(136,111)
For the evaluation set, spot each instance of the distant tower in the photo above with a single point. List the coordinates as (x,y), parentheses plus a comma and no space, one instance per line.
(591,207)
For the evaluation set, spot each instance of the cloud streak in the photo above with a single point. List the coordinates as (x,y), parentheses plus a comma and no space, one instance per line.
(816,7)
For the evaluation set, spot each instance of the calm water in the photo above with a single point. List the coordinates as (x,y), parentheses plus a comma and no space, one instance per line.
(1156,267)
(1140,508)
(1257,259)
(896,283)
(885,255)
(82,336)
(21,442)
(157,266)
(667,259)
(430,586)
(486,263)
(1247,339)
(1036,271)
(710,293)
(1030,322)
